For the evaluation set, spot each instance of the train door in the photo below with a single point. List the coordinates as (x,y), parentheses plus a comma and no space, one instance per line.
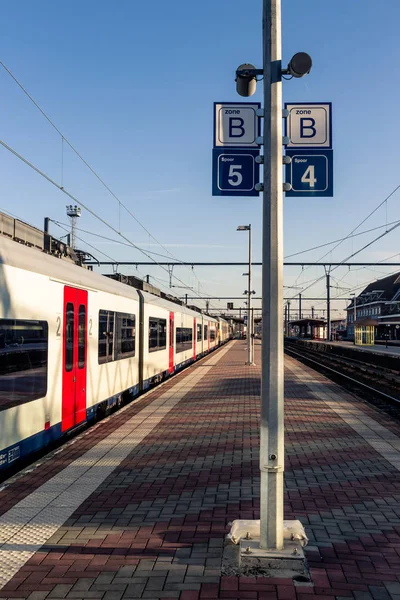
(171,343)
(74,357)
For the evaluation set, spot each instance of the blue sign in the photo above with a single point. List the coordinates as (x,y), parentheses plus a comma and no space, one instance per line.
(310,172)
(235,172)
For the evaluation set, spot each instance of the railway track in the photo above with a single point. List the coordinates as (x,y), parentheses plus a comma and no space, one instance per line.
(355,376)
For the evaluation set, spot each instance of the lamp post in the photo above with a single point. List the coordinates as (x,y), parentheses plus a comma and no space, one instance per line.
(354,315)
(272,424)
(250,344)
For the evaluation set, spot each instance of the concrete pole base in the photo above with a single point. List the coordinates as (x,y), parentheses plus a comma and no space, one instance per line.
(288,562)
(243,555)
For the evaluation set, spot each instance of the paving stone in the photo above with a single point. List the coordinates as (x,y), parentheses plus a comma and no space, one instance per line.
(155,526)
(379,593)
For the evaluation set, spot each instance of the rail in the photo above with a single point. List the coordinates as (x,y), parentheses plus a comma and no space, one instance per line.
(391,399)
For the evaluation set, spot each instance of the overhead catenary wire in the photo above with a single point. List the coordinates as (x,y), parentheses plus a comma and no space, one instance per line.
(343,262)
(64,140)
(104,237)
(89,210)
(340,239)
(64,228)
(395,189)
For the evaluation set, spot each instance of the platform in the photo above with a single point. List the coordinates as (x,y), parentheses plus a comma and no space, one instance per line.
(139,506)
(376,348)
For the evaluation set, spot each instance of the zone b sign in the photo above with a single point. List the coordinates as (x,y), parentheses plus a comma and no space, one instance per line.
(309,125)
(236,124)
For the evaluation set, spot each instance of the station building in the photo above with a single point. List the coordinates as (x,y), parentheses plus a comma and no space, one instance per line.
(377,306)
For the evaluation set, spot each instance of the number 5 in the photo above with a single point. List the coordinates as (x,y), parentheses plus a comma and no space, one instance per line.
(235,178)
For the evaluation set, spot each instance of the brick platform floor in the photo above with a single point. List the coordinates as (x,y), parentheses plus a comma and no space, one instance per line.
(148,509)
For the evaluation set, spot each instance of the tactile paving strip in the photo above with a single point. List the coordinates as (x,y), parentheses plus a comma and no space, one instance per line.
(31,522)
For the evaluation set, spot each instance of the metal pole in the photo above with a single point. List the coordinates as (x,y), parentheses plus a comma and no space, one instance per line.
(288,318)
(271,432)
(249,320)
(328,306)
(299,306)
(285,329)
(355,317)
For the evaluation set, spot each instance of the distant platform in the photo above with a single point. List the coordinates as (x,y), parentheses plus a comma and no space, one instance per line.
(376,348)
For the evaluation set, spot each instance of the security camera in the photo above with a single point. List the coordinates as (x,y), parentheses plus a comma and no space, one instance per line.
(246,81)
(300,64)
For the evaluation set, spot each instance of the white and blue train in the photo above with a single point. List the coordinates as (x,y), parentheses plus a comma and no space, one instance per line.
(74,343)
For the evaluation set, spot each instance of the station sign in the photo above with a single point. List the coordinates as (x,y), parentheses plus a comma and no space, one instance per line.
(236,124)
(309,125)
(235,172)
(310,172)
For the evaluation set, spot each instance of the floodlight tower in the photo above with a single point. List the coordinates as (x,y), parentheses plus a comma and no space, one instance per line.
(73,212)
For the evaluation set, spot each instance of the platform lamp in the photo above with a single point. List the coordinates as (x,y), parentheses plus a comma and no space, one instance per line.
(250,345)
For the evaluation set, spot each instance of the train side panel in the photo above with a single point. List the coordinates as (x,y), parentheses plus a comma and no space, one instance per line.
(31,356)
(113,349)
(156,347)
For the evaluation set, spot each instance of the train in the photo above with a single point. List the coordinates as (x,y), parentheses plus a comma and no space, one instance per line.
(75,344)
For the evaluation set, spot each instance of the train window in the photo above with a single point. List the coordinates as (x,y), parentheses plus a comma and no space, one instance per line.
(82,336)
(125,334)
(199,333)
(184,337)
(157,334)
(69,337)
(106,336)
(23,361)
(206,332)
(212,334)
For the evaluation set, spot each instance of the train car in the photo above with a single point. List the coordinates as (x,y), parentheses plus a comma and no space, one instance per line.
(224,330)
(207,335)
(74,344)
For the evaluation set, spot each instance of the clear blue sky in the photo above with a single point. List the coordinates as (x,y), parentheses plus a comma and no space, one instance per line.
(132,85)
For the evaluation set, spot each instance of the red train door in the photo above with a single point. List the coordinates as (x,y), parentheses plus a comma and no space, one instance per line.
(194,339)
(171,343)
(74,357)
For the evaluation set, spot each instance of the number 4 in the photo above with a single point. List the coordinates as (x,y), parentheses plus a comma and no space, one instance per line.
(235,178)
(309,177)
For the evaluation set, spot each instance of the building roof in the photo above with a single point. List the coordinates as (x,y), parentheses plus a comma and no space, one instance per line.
(316,322)
(381,290)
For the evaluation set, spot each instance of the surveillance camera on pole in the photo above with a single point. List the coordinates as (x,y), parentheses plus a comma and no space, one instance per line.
(300,64)
(246,79)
